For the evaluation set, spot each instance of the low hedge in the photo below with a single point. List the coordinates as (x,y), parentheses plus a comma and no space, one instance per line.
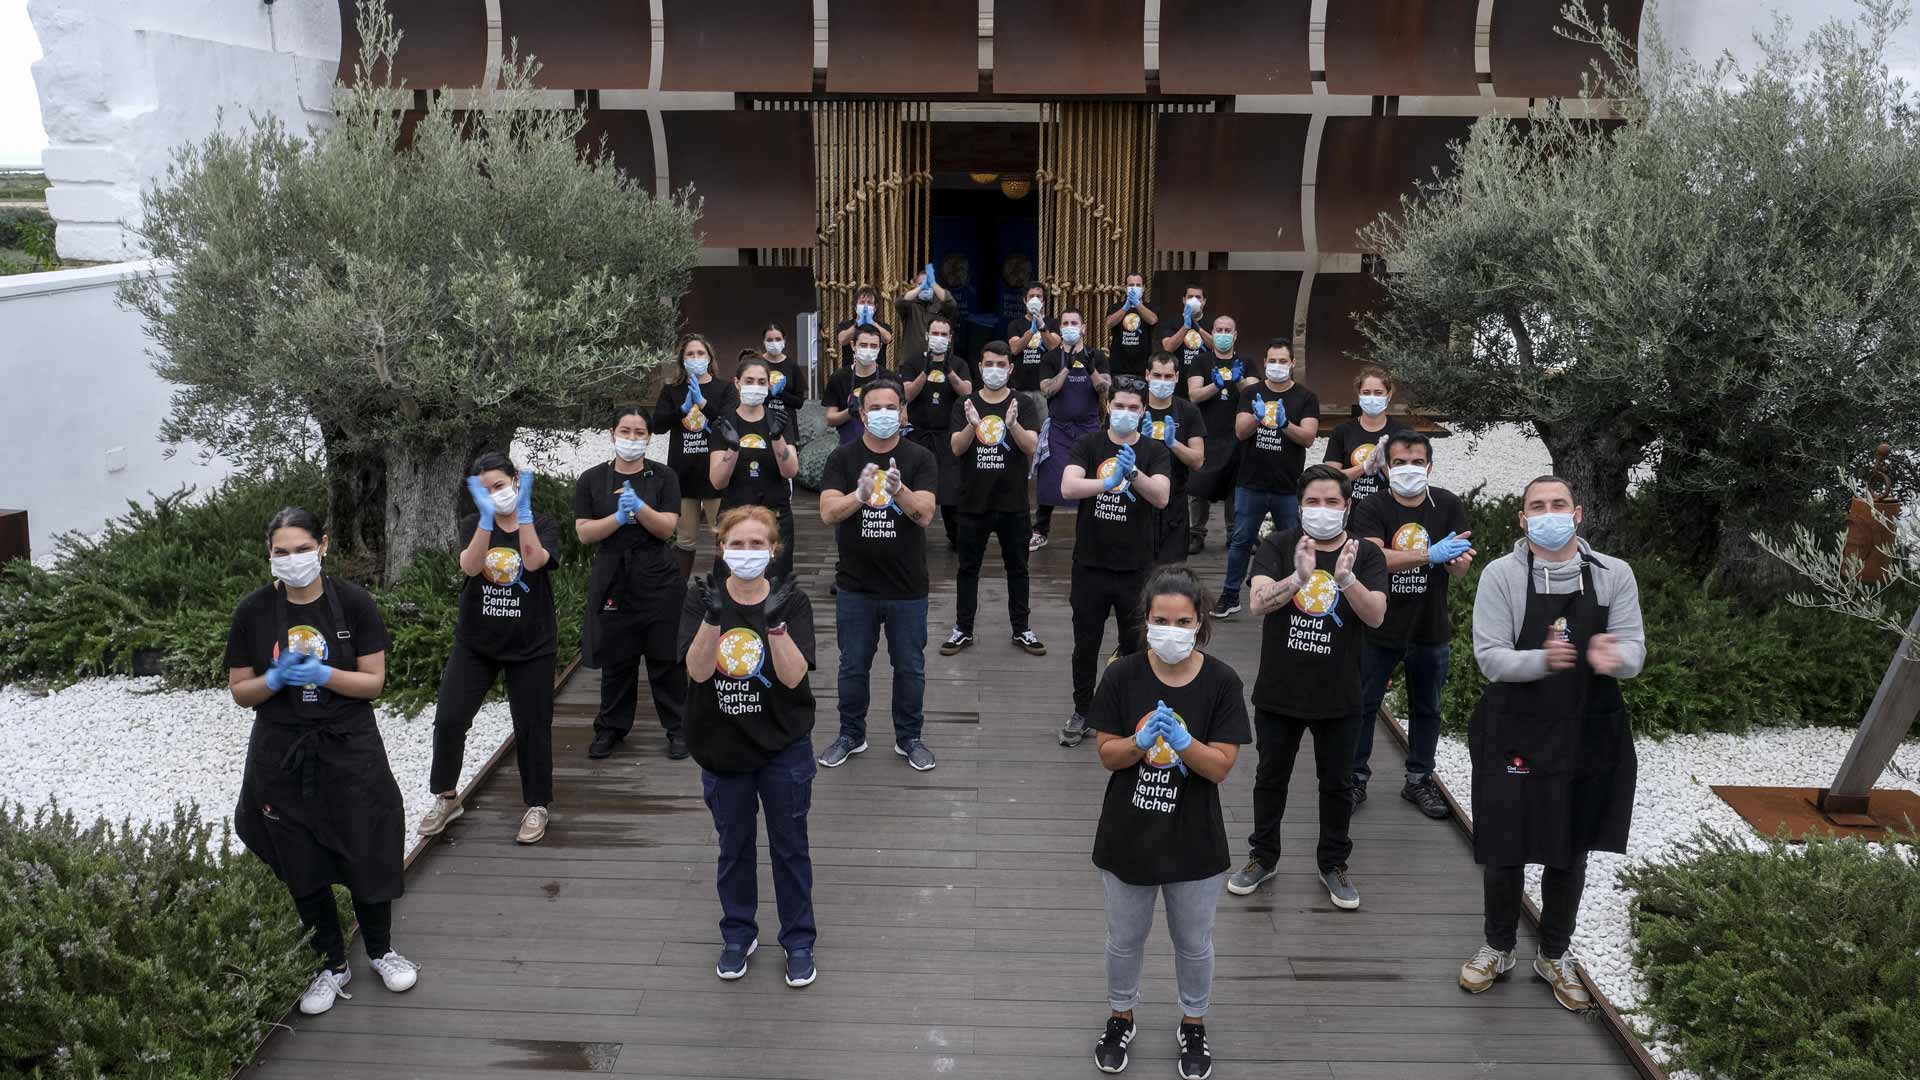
(155,951)
(163,580)
(1793,962)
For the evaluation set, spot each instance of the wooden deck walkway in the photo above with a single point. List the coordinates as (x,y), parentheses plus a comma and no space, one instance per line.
(960,919)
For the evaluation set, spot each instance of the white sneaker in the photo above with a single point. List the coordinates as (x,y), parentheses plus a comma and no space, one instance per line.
(398,972)
(533,826)
(444,810)
(326,986)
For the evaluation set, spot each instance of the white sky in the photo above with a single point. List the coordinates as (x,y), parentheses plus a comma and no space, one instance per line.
(21,138)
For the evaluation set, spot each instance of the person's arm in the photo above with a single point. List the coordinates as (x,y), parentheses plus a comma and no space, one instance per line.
(1211,760)
(919,381)
(1172,340)
(1056,382)
(533,550)
(789,634)
(1076,484)
(1101,377)
(1397,560)
(703,654)
(886,334)
(1118,751)
(248,689)
(1147,316)
(720,466)
(1153,487)
(919,505)
(845,334)
(1269,592)
(958,379)
(1622,651)
(1191,452)
(1201,388)
(364,684)
(1024,437)
(1365,590)
(1269,595)
(1245,424)
(473,557)
(785,457)
(789,666)
(1494,647)
(1113,317)
(1305,428)
(838,402)
(838,506)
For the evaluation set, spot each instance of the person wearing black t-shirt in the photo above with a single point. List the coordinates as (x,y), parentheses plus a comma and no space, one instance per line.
(689,403)
(318,802)
(1130,326)
(1318,590)
(1355,444)
(507,627)
(1214,380)
(753,463)
(934,380)
(789,386)
(844,387)
(992,445)
(922,303)
(1073,378)
(1032,337)
(878,495)
(629,507)
(749,646)
(1190,339)
(1277,420)
(1423,531)
(1169,724)
(1176,422)
(866,300)
(1122,481)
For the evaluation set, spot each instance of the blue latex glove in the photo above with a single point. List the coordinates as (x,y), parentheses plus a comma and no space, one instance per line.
(1186,318)
(630,504)
(1149,731)
(1239,370)
(1115,480)
(482,501)
(1448,548)
(693,398)
(1169,437)
(524,512)
(1219,380)
(926,285)
(309,671)
(699,395)
(1280,412)
(1127,461)
(1175,732)
(1260,409)
(277,671)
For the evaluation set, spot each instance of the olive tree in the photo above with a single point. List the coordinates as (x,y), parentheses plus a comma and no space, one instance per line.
(403,289)
(1709,271)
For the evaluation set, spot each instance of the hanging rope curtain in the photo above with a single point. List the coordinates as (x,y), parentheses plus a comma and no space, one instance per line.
(873,162)
(1095,184)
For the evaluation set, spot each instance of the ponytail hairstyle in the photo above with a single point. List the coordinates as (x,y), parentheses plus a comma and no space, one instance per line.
(494,460)
(1178,580)
(679,376)
(631,408)
(749,358)
(295,517)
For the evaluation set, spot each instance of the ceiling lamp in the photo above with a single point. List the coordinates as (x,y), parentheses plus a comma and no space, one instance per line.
(1016,187)
(983,177)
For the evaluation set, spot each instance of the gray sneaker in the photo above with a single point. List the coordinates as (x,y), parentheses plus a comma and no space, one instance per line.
(916,753)
(839,750)
(1075,730)
(1250,877)
(1339,889)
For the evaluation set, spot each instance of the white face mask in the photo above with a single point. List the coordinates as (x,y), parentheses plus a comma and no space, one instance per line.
(696,365)
(753,394)
(937,344)
(866,354)
(1194,304)
(1161,389)
(1172,644)
(1035,305)
(994,377)
(296,570)
(1408,481)
(1279,372)
(1070,335)
(630,449)
(1323,522)
(746,564)
(774,346)
(506,500)
(1373,404)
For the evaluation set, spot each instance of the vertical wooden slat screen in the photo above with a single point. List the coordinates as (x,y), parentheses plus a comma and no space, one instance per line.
(1095,186)
(1176,261)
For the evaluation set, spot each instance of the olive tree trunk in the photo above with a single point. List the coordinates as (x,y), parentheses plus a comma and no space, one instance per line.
(1598,464)
(424,499)
(356,494)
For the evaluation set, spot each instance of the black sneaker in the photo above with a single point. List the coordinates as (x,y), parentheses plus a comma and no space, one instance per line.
(1110,1053)
(676,746)
(956,641)
(1196,1057)
(1026,639)
(1357,794)
(1426,795)
(1196,544)
(603,744)
(1225,607)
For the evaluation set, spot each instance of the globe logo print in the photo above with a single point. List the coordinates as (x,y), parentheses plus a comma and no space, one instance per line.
(1319,596)
(1161,756)
(1270,417)
(751,441)
(1410,537)
(1131,321)
(1107,468)
(741,652)
(1361,453)
(877,497)
(305,640)
(1192,339)
(1159,429)
(501,566)
(992,430)
(936,375)
(778,384)
(695,420)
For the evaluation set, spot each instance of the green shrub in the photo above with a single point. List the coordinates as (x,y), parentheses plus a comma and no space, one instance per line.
(813,460)
(151,952)
(14,218)
(1795,962)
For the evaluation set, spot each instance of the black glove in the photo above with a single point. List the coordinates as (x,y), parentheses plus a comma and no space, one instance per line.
(713,595)
(728,434)
(777,601)
(776,424)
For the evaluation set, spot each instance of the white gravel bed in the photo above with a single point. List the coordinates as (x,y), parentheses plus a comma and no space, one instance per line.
(1674,798)
(123,748)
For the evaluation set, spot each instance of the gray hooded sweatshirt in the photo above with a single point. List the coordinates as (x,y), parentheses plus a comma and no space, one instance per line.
(1500,609)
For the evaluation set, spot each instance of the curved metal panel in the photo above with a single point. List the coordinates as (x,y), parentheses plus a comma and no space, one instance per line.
(1260,301)
(754,171)
(1403,46)
(1228,181)
(882,47)
(1529,55)
(1070,47)
(1234,47)
(732,305)
(629,137)
(1368,162)
(1336,350)
(738,46)
(444,42)
(582,44)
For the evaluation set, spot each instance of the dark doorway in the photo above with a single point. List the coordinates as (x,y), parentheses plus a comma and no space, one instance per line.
(985,222)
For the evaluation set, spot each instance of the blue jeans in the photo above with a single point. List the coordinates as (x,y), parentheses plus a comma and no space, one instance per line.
(1426,674)
(785,787)
(1250,508)
(859,618)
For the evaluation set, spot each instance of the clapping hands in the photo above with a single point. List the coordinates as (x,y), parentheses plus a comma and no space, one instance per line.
(482,501)
(630,504)
(1169,436)
(523,513)
(276,675)
(1305,562)
(894,480)
(308,670)
(1343,566)
(1450,547)
(972,414)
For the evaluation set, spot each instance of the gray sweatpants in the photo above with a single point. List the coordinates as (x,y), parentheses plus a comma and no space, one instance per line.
(1190,907)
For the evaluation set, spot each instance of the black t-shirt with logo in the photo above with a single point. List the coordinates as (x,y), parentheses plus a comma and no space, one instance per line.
(1416,598)
(1160,821)
(1116,529)
(691,435)
(648,566)
(787,385)
(756,477)
(1193,348)
(844,388)
(1029,352)
(743,716)
(883,551)
(1271,461)
(1310,648)
(506,611)
(1081,366)
(931,411)
(993,471)
(1188,424)
(258,634)
(1349,444)
(1217,410)
(1129,342)
(846,349)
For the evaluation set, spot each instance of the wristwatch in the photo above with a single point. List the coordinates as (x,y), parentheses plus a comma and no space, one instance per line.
(777,631)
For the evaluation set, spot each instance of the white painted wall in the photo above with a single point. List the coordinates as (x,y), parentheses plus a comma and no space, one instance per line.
(124,81)
(80,419)
(1707,28)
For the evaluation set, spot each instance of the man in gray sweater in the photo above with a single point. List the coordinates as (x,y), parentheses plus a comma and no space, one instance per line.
(1556,625)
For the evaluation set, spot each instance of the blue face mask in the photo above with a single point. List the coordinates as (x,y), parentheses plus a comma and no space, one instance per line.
(1070,335)
(884,423)
(1223,343)
(696,365)
(1373,404)
(1161,389)
(1550,531)
(1123,422)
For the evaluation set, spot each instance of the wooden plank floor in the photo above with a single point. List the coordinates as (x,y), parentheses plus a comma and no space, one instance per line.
(960,919)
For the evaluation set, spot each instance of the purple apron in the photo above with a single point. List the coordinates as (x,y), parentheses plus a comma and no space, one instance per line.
(1073,413)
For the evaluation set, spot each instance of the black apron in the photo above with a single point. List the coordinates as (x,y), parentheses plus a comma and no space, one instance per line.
(1553,760)
(318,802)
(624,620)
